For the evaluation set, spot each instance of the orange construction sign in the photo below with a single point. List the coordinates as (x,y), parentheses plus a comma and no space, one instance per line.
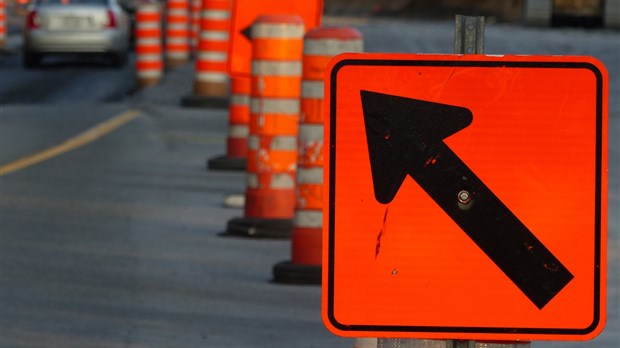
(244,12)
(466,197)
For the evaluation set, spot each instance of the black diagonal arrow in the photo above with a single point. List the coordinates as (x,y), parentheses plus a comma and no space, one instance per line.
(405,137)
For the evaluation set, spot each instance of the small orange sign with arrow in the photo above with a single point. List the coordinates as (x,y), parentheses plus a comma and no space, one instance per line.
(244,12)
(466,197)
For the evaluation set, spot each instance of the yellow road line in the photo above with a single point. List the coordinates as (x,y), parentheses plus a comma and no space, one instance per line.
(82,139)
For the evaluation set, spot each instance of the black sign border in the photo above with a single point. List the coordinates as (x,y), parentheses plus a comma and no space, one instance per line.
(598,197)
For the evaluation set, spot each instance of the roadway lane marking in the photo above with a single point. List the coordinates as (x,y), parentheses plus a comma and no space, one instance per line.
(82,139)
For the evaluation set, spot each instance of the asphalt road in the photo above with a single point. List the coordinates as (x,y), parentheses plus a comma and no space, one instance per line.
(116,243)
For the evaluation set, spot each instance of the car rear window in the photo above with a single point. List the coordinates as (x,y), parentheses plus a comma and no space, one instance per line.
(74,2)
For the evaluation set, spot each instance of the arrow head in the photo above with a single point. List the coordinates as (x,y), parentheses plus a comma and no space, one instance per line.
(247,32)
(404,135)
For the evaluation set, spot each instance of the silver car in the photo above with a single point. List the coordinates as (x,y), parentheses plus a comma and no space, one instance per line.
(76,26)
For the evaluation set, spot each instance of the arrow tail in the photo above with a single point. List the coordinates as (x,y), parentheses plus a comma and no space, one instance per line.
(493,227)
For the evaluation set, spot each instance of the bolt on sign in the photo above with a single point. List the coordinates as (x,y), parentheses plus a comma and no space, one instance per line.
(467,197)
(244,12)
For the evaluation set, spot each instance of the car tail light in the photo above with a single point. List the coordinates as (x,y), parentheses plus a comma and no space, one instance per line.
(32,20)
(111,23)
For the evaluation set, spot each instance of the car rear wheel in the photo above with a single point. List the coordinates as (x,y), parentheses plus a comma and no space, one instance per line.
(120,59)
(31,60)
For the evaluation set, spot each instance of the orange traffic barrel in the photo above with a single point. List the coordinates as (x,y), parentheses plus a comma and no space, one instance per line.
(177,33)
(211,75)
(277,48)
(238,127)
(148,46)
(2,23)
(320,45)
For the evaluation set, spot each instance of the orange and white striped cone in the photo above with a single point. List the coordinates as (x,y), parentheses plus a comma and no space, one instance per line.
(2,24)
(238,128)
(277,47)
(148,46)
(177,33)
(320,45)
(211,75)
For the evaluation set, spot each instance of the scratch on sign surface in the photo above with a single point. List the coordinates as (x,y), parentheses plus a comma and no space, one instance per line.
(381,231)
